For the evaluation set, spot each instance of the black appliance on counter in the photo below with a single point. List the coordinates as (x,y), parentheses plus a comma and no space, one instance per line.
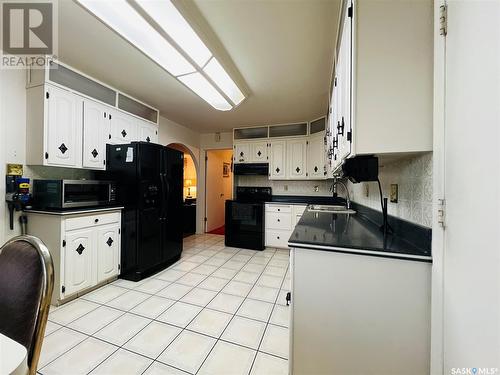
(149,185)
(66,194)
(245,227)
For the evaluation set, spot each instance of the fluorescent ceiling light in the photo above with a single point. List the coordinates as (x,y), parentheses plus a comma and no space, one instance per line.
(173,23)
(203,88)
(122,18)
(217,73)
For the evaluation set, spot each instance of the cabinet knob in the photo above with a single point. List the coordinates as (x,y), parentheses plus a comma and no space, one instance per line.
(279,220)
(124,133)
(278,237)
(109,241)
(80,249)
(96,221)
(297,169)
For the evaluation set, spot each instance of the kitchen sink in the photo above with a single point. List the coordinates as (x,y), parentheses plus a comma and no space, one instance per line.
(336,209)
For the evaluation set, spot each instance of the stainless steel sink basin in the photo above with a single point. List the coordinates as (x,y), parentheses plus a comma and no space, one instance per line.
(336,209)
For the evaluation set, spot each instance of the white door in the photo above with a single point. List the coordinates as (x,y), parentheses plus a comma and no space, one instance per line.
(297,158)
(63,128)
(123,128)
(148,131)
(108,252)
(95,134)
(78,256)
(218,188)
(316,168)
(468,266)
(277,160)
(259,152)
(242,153)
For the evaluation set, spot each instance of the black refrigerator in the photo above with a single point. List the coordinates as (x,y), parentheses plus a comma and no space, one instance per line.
(149,185)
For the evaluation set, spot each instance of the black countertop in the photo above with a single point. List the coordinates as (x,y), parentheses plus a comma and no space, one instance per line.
(354,233)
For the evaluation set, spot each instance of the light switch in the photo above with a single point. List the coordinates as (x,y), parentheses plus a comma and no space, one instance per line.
(394,193)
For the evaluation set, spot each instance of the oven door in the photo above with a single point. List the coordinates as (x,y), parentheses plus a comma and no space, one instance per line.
(245,225)
(86,193)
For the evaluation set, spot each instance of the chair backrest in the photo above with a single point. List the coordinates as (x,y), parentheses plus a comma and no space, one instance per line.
(26,285)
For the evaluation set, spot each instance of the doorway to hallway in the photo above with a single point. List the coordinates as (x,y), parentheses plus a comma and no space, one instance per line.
(218,188)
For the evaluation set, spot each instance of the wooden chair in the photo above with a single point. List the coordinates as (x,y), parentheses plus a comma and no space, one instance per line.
(26,285)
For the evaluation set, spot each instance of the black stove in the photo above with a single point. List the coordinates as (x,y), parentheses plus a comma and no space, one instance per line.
(245,227)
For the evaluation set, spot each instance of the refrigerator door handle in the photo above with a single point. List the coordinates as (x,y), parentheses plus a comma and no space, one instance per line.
(163,194)
(167,193)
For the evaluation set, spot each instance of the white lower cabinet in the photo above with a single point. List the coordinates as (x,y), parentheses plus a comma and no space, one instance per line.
(280,221)
(85,248)
(358,314)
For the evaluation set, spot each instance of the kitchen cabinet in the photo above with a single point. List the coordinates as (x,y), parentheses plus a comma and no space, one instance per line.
(358,314)
(242,153)
(316,168)
(96,132)
(372,110)
(277,160)
(259,152)
(148,131)
(296,150)
(280,222)
(85,247)
(54,127)
(124,128)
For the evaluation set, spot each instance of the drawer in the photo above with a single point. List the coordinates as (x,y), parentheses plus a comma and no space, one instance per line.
(271,207)
(92,220)
(277,238)
(279,220)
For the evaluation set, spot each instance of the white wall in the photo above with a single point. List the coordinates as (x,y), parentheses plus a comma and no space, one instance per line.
(413,175)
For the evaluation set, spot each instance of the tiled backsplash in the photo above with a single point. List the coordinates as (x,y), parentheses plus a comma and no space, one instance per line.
(414,179)
(287,187)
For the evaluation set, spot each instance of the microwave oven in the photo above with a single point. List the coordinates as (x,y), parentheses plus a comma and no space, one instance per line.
(63,194)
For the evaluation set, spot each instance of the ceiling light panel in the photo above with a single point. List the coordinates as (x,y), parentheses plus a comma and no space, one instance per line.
(205,90)
(166,15)
(122,18)
(217,73)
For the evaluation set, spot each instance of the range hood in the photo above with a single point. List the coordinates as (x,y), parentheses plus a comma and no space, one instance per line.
(252,169)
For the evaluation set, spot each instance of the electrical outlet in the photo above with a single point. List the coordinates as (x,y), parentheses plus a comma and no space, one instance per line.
(285,187)
(367,190)
(316,188)
(394,193)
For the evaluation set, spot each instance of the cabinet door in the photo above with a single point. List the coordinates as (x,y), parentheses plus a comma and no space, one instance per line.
(123,128)
(148,132)
(242,153)
(277,159)
(259,152)
(95,134)
(108,252)
(297,157)
(63,128)
(78,256)
(316,168)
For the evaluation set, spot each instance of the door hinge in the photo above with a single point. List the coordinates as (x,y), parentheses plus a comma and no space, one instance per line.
(443,20)
(64,243)
(104,162)
(441,212)
(206,158)
(349,136)
(63,289)
(119,267)
(46,155)
(334,83)
(206,219)
(119,231)
(349,11)
(47,94)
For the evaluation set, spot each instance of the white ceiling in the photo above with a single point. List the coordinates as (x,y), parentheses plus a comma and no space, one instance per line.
(282,49)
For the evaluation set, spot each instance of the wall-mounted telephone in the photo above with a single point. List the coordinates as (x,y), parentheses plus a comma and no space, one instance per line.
(17,195)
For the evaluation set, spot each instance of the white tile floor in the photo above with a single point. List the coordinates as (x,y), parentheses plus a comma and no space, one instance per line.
(217,311)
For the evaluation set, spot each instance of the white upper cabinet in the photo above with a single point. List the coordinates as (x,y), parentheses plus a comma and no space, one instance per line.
(148,132)
(63,127)
(296,159)
(242,153)
(259,152)
(316,168)
(124,128)
(277,160)
(378,107)
(96,130)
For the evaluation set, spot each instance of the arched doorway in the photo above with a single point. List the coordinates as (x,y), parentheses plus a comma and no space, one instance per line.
(190,191)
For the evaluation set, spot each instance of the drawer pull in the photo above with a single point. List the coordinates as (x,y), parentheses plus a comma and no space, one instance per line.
(279,209)
(96,221)
(278,237)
